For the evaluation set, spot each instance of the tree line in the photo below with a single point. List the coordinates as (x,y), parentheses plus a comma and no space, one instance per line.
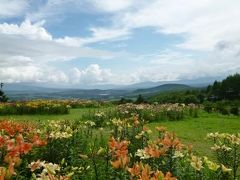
(227,89)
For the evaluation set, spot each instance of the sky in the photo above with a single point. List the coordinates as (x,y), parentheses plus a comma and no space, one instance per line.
(96,42)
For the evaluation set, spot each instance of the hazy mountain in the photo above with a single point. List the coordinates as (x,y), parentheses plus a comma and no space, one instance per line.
(24,87)
(164,87)
(26,92)
(46,87)
(161,88)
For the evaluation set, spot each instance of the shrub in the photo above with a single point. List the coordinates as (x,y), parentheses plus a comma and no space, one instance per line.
(223,111)
(227,150)
(208,107)
(34,107)
(234,110)
(157,112)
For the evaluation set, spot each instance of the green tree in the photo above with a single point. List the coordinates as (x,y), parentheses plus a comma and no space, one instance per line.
(190,99)
(3,97)
(124,101)
(228,88)
(140,99)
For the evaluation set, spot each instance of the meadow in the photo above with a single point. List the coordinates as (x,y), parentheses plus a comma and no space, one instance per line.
(168,141)
(190,131)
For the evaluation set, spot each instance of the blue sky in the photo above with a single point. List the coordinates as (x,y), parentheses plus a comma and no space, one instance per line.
(90,42)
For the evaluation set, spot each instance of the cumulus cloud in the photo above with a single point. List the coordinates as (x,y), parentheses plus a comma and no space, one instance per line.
(32,73)
(96,75)
(93,74)
(27,30)
(28,72)
(27,48)
(175,65)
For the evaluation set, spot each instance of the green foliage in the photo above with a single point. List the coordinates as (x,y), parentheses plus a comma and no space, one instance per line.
(234,110)
(227,89)
(162,112)
(227,150)
(123,101)
(78,149)
(3,97)
(48,106)
(208,106)
(186,97)
(34,107)
(140,99)
(98,117)
(223,107)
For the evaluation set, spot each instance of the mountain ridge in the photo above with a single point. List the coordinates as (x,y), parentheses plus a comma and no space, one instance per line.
(107,94)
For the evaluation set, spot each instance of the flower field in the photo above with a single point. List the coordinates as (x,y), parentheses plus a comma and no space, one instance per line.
(45,106)
(146,112)
(114,144)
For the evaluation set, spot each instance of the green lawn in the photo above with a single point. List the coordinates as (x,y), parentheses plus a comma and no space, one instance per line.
(190,131)
(194,130)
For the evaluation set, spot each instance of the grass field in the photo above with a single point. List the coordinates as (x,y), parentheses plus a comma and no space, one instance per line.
(190,131)
(194,130)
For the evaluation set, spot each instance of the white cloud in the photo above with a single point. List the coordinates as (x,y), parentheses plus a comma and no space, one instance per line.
(113,6)
(163,66)
(31,73)
(56,8)
(12,8)
(53,9)
(8,61)
(19,74)
(98,35)
(93,74)
(202,23)
(56,76)
(96,75)
(208,27)
(26,29)
(173,65)
(27,50)
(34,42)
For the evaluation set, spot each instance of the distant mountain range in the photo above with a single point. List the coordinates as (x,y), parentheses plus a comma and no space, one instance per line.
(26,92)
(161,88)
(36,87)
